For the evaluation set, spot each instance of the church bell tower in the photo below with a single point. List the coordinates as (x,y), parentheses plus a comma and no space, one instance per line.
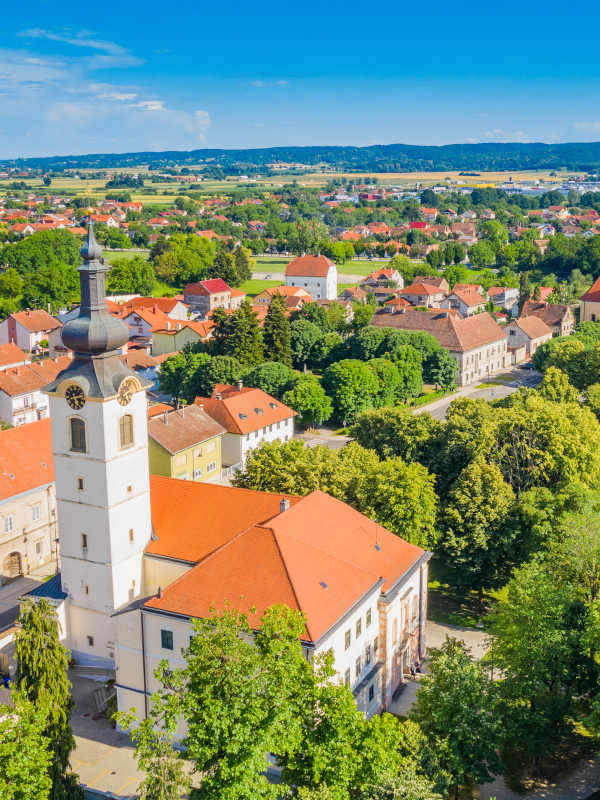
(98,411)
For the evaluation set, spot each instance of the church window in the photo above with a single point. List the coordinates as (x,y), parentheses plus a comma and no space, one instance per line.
(166,639)
(126,430)
(78,435)
(84,541)
(36,511)
(90,641)
(131,534)
(80,483)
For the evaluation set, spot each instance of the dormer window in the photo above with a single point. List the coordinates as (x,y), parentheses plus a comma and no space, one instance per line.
(273,405)
(259,410)
(243,416)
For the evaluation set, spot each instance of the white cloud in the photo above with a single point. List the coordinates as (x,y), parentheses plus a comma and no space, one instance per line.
(110,54)
(20,67)
(587,126)
(151,105)
(257,84)
(117,96)
(261,84)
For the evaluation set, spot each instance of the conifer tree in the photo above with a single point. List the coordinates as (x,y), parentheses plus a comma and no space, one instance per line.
(238,335)
(42,664)
(224,267)
(276,333)
(244,263)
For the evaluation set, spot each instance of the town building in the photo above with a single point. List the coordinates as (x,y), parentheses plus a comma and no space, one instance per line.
(250,417)
(184,443)
(12,356)
(316,274)
(478,343)
(529,332)
(175,335)
(384,277)
(506,297)
(204,296)
(294,296)
(21,390)
(557,316)
(29,330)
(465,301)
(142,556)
(28,524)
(589,310)
(423,294)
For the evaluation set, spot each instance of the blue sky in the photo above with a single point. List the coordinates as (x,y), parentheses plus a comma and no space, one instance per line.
(81,78)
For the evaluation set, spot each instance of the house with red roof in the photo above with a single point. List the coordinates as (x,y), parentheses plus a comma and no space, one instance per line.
(466,301)
(429,214)
(528,332)
(28,521)
(27,329)
(250,417)
(204,296)
(589,310)
(12,356)
(316,274)
(423,294)
(384,277)
(21,389)
(175,335)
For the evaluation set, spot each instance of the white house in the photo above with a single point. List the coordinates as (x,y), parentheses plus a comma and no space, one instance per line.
(250,417)
(316,274)
(27,329)
(528,332)
(21,397)
(28,525)
(12,356)
(466,301)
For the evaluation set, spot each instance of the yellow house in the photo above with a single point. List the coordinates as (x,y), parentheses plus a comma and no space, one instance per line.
(176,334)
(185,443)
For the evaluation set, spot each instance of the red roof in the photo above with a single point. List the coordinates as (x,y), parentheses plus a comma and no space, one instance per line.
(211,286)
(309,266)
(25,458)
(593,293)
(36,321)
(246,410)
(11,354)
(317,556)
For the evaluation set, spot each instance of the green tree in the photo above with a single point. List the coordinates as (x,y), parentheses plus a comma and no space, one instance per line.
(276,333)
(592,399)
(25,756)
(388,378)
(238,335)
(524,290)
(308,398)
(185,375)
(556,387)
(304,335)
(224,267)
(55,285)
(11,283)
(402,498)
(476,543)
(244,263)
(409,364)
(441,370)
(455,707)
(352,387)
(397,432)
(130,276)
(273,378)
(42,675)
(165,775)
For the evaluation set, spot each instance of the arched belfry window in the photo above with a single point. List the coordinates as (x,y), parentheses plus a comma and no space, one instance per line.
(126,430)
(78,443)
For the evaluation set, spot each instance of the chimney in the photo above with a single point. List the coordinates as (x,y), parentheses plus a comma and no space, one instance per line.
(168,326)
(218,396)
(179,326)
(284,504)
(49,308)
(166,417)
(159,593)
(200,406)
(240,385)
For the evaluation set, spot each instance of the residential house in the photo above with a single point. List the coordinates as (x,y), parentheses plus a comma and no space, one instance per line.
(556,316)
(316,274)
(250,417)
(433,280)
(529,332)
(28,523)
(506,297)
(236,300)
(21,397)
(12,356)
(589,310)
(171,306)
(429,214)
(383,277)
(423,294)
(478,343)
(294,292)
(353,294)
(204,296)
(175,335)
(143,322)
(467,301)
(487,214)
(185,443)
(28,329)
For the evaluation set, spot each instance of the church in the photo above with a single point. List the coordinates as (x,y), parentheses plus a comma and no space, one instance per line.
(142,556)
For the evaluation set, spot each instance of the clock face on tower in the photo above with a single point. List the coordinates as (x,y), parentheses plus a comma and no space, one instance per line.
(75,396)
(126,391)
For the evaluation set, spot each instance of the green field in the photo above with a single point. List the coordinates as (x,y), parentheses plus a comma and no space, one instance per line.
(255,286)
(115,255)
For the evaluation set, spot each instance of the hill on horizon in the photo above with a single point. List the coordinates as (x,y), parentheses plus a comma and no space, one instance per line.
(377,158)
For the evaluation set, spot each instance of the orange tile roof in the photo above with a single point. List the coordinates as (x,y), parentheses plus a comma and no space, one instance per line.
(422,288)
(470,297)
(318,556)
(246,410)
(156,319)
(593,293)
(533,327)
(312,266)
(159,408)
(451,331)
(25,458)
(36,321)
(11,354)
(183,428)
(32,377)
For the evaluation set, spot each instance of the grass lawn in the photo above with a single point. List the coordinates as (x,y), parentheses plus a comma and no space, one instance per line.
(256,286)
(429,397)
(271,263)
(115,255)
(451,607)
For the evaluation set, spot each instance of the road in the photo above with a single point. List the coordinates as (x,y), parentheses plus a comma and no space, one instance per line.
(514,380)
(280,276)
(9,599)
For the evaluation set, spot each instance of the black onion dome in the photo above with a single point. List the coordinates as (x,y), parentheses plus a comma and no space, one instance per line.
(94,331)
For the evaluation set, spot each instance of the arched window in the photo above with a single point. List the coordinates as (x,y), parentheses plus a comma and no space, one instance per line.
(126,430)
(78,444)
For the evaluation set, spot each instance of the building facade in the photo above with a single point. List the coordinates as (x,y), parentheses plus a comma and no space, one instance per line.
(316,274)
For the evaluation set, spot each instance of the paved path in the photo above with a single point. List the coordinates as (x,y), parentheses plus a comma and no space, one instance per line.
(584,781)
(9,599)
(280,276)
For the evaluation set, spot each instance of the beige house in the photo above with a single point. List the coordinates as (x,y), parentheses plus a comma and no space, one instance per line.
(590,304)
(466,301)
(175,335)
(528,332)
(28,524)
(204,296)
(423,294)
(558,317)
(477,343)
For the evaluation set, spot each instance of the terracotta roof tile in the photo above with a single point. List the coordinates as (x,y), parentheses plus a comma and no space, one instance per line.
(310,266)
(11,354)
(178,430)
(533,327)
(36,321)
(246,410)
(25,458)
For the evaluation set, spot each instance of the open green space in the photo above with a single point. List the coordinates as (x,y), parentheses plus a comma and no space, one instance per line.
(255,286)
(448,606)
(115,255)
